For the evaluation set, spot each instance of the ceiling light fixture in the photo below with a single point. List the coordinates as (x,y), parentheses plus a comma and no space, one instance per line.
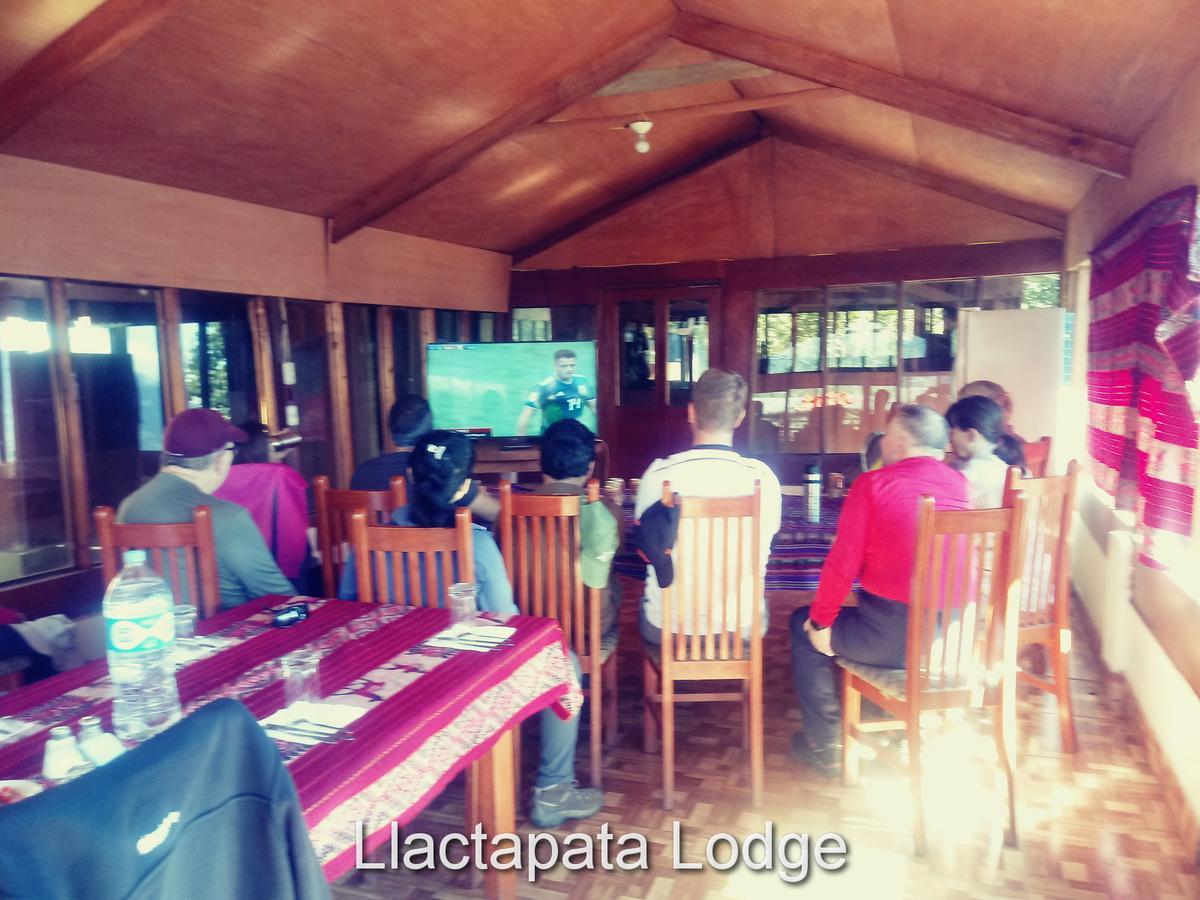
(641,128)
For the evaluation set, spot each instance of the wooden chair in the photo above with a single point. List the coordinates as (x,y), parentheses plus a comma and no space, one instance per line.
(962,646)
(692,650)
(540,540)
(184,554)
(333,516)
(1037,456)
(410,565)
(1045,617)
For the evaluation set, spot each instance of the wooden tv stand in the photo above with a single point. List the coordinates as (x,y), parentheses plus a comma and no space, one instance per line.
(497,456)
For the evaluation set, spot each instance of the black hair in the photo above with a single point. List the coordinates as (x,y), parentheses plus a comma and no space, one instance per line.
(568,448)
(1010,449)
(981,413)
(439,463)
(409,417)
(258,448)
(564,353)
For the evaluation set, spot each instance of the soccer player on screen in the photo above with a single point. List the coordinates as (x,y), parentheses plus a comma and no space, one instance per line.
(561,396)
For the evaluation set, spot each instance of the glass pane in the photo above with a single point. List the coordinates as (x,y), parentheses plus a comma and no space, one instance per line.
(113,339)
(789,332)
(573,323)
(774,342)
(861,332)
(636,328)
(532,324)
(33,518)
(854,410)
(362,366)
(407,351)
(687,346)
(933,391)
(1019,291)
(298,337)
(445,325)
(787,421)
(930,322)
(483,327)
(218,354)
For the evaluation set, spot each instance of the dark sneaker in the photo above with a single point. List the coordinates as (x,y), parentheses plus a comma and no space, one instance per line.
(555,804)
(826,761)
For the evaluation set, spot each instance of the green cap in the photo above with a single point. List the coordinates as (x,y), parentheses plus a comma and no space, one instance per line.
(599,537)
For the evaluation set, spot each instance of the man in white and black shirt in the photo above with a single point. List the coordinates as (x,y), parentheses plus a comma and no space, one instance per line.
(711,468)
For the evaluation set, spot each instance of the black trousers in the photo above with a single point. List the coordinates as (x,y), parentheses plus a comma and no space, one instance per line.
(875,632)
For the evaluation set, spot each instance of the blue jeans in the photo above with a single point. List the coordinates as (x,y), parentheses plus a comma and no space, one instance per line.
(556,765)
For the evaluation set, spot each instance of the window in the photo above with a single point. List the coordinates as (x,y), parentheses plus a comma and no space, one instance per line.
(531,324)
(636,333)
(113,340)
(833,361)
(218,354)
(687,347)
(34,537)
(362,369)
(298,344)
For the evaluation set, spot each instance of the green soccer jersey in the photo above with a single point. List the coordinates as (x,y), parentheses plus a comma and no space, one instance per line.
(560,399)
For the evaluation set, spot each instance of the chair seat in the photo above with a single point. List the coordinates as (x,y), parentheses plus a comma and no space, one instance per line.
(893,682)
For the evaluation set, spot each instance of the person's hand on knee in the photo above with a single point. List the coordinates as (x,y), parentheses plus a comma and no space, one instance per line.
(820,638)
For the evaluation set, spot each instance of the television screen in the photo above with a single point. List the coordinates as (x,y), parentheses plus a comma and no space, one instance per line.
(513,389)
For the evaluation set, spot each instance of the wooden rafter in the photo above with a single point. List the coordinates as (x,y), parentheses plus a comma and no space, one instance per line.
(104,33)
(943,184)
(912,95)
(709,157)
(643,81)
(545,101)
(690,111)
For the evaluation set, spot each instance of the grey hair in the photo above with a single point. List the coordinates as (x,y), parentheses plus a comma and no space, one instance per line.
(926,426)
(194,463)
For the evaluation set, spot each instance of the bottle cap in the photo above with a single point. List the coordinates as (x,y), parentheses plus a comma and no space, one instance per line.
(134,557)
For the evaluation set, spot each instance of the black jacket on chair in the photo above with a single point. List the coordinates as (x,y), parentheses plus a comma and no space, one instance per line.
(205,809)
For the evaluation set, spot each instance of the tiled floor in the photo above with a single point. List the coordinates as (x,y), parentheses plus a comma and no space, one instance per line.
(1092,825)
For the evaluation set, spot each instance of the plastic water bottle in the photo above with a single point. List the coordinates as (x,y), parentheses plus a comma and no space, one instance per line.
(140,631)
(812,494)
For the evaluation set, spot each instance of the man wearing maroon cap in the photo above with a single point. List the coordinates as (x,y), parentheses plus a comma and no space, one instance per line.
(197,452)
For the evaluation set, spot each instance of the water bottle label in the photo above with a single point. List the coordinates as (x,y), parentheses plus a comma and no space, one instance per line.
(140,633)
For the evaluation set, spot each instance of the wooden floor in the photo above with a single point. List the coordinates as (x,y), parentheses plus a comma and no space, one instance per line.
(1095,825)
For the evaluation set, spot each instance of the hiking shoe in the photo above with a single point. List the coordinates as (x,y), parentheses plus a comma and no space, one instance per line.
(555,804)
(826,761)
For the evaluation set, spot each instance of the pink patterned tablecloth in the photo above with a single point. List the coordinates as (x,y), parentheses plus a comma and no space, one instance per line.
(430,712)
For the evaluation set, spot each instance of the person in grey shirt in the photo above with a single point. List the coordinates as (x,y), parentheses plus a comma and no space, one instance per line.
(198,449)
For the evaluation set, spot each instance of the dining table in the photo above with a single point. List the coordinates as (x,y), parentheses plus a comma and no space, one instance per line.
(428,711)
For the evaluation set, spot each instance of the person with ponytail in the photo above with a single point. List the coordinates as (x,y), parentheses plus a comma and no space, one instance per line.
(440,467)
(976,433)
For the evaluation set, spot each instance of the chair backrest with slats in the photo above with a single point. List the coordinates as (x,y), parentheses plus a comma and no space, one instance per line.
(1037,456)
(415,566)
(540,540)
(333,517)
(184,554)
(961,628)
(1049,506)
(714,604)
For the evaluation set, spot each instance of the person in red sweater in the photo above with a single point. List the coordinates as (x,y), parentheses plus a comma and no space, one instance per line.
(875,544)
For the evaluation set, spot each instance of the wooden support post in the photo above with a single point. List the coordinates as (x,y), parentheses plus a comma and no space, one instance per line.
(386,367)
(264,368)
(339,393)
(170,317)
(71,451)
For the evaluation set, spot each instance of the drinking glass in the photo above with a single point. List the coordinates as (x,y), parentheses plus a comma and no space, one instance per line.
(185,621)
(462,602)
(301,676)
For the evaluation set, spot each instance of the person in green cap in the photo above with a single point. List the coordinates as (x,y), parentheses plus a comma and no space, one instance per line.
(568,460)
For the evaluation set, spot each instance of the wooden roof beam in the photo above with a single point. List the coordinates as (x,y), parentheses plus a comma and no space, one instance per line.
(542,102)
(101,35)
(909,94)
(943,184)
(710,157)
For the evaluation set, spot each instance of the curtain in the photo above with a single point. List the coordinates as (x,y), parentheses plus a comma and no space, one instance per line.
(1143,347)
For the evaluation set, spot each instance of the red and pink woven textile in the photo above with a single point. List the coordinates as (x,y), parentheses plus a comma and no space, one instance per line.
(1143,345)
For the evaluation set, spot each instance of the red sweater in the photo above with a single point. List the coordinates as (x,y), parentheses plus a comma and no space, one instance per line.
(877,532)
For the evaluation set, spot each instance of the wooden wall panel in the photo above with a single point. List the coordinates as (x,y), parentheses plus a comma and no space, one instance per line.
(69,223)
(403,270)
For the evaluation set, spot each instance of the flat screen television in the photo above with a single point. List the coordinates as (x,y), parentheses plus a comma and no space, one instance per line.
(511,389)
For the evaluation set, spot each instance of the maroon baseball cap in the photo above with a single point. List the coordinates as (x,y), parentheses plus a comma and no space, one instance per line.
(198,432)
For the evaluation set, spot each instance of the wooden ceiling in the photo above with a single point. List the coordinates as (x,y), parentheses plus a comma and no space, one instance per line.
(781,126)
